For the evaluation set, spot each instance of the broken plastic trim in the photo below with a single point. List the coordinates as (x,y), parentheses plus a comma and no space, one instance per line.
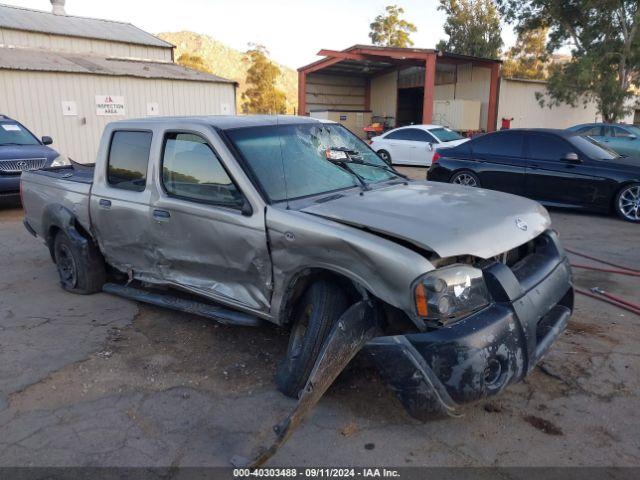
(352,331)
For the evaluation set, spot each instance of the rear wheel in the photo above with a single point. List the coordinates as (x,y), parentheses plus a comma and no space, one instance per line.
(315,313)
(385,156)
(80,271)
(466,178)
(627,203)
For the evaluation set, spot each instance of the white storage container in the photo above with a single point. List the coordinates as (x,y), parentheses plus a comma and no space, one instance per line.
(461,115)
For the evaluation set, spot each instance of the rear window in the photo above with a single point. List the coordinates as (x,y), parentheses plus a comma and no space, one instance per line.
(12,133)
(445,135)
(128,160)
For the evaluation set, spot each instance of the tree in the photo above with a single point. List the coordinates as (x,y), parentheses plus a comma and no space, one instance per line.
(528,57)
(473,27)
(389,30)
(194,62)
(261,95)
(605,49)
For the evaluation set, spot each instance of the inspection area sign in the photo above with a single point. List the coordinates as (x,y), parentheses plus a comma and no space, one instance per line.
(109,105)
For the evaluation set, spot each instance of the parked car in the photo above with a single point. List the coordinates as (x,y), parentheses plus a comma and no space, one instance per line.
(415,144)
(298,222)
(555,167)
(624,139)
(20,151)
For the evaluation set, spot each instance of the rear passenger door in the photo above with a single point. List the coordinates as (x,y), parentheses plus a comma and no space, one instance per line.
(500,162)
(553,179)
(120,201)
(205,235)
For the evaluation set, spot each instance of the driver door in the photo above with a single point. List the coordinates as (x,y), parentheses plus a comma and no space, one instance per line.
(206,236)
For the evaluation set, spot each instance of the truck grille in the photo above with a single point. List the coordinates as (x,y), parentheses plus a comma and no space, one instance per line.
(17,166)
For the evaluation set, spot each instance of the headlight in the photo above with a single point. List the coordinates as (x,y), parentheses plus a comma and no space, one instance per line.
(450,293)
(60,161)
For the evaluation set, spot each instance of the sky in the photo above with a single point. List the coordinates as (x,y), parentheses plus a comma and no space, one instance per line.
(292,30)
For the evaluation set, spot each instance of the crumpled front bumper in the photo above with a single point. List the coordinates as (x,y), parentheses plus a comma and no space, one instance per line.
(434,372)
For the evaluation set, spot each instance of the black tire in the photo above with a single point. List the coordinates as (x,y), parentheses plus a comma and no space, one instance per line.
(315,313)
(79,272)
(465,177)
(385,156)
(624,203)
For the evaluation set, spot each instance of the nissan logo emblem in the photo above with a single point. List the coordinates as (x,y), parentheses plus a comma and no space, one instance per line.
(521,224)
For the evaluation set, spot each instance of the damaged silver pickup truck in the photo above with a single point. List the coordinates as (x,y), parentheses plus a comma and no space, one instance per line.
(455,291)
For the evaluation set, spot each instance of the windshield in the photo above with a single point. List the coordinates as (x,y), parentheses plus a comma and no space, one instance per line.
(12,133)
(445,135)
(592,148)
(290,161)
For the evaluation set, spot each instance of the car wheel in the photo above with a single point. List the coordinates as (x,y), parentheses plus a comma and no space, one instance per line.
(79,272)
(385,156)
(316,312)
(466,178)
(628,203)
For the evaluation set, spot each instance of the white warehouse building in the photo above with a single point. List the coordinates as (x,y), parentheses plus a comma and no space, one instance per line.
(67,77)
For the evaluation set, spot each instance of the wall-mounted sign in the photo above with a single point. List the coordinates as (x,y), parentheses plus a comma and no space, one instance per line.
(343,118)
(69,108)
(153,108)
(109,105)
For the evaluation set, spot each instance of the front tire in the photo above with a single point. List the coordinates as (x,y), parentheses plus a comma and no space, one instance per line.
(385,156)
(466,178)
(315,313)
(80,272)
(627,203)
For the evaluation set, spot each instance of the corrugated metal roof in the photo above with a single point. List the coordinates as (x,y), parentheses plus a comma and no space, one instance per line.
(48,61)
(19,18)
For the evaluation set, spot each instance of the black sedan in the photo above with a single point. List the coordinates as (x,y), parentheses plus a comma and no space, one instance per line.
(556,167)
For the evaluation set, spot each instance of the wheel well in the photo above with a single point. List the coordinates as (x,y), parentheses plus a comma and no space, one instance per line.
(612,203)
(395,321)
(307,277)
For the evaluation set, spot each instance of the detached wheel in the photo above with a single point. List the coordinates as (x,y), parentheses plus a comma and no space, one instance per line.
(79,272)
(628,203)
(315,313)
(385,156)
(466,178)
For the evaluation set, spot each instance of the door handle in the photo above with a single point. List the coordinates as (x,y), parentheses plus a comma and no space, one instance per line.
(161,215)
(104,203)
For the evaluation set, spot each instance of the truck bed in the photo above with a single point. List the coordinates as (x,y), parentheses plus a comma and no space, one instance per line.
(68,187)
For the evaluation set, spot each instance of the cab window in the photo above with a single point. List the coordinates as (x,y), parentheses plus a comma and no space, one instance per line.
(191,170)
(128,160)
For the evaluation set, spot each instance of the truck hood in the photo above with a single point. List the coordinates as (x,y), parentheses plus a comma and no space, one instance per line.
(448,220)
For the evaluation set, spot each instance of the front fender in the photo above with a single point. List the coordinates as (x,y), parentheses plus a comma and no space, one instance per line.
(300,241)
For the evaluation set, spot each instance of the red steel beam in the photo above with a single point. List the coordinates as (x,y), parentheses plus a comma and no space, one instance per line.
(492,111)
(429,87)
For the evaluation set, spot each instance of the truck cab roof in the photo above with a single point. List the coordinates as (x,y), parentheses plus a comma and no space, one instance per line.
(227,122)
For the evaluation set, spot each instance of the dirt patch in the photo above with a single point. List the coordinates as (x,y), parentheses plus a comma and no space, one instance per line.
(545,426)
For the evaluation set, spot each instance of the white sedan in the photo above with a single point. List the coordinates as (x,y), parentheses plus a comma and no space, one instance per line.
(414,144)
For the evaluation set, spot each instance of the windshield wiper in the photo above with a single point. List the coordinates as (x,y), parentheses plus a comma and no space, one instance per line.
(386,168)
(361,181)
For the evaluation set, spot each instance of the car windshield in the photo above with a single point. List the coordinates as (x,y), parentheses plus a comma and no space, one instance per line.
(445,135)
(290,161)
(592,148)
(12,133)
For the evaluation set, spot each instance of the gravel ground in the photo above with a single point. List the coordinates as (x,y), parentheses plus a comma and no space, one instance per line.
(102,381)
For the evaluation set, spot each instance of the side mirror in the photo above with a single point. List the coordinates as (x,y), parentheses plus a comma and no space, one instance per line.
(247,209)
(47,140)
(632,137)
(572,157)
(430,146)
